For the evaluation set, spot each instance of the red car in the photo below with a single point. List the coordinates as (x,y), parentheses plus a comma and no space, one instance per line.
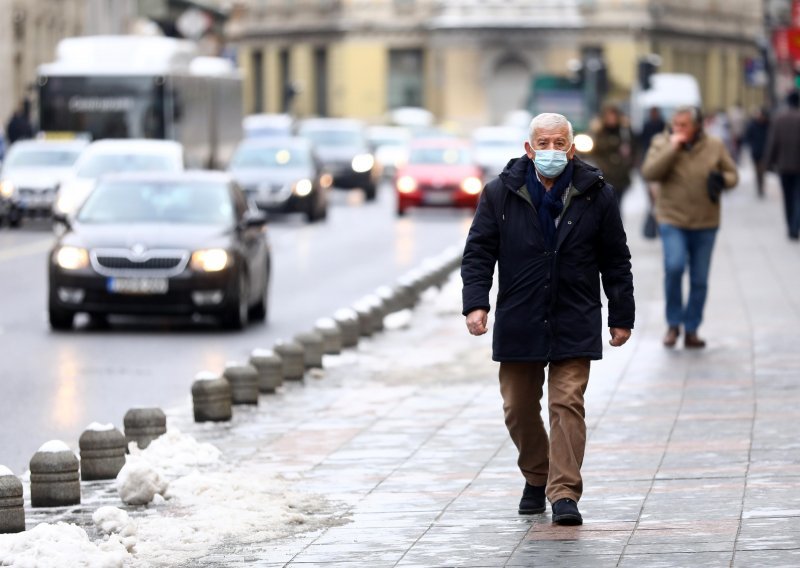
(440,173)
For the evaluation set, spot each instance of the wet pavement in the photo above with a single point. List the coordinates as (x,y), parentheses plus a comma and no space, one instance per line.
(693,457)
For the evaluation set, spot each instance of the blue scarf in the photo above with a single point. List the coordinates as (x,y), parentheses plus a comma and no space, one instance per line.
(548,204)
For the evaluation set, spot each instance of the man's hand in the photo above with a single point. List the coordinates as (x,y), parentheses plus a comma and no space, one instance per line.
(677,139)
(476,321)
(618,336)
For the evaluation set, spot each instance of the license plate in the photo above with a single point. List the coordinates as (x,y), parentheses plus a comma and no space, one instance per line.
(443,198)
(138,285)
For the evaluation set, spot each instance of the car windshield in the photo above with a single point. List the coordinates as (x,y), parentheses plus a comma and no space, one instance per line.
(182,202)
(270,157)
(334,137)
(101,164)
(438,155)
(42,158)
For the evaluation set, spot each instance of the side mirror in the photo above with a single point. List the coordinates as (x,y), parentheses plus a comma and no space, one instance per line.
(254,219)
(61,218)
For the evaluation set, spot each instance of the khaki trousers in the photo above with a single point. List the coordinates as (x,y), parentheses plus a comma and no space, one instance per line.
(556,462)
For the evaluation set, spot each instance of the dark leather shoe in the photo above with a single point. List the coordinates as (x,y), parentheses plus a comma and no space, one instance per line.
(671,337)
(565,512)
(533,501)
(692,341)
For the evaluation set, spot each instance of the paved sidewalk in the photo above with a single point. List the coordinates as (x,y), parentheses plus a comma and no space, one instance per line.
(693,458)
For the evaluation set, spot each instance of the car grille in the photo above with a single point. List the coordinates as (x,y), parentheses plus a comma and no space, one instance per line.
(126,262)
(438,187)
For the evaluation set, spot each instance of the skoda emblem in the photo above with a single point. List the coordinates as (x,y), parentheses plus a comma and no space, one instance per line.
(138,250)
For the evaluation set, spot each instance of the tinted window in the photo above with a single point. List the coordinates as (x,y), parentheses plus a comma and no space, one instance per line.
(433,155)
(277,157)
(206,203)
(101,164)
(38,157)
(106,107)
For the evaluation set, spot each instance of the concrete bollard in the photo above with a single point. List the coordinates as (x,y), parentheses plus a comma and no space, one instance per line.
(331,336)
(365,324)
(377,312)
(102,452)
(55,481)
(211,398)
(12,505)
(143,425)
(313,348)
(391,303)
(347,320)
(270,369)
(407,293)
(292,355)
(244,382)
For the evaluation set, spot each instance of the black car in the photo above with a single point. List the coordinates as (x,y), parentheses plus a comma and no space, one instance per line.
(162,244)
(342,146)
(282,175)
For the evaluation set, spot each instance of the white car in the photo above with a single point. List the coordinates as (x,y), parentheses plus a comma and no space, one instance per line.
(32,172)
(115,156)
(390,147)
(494,146)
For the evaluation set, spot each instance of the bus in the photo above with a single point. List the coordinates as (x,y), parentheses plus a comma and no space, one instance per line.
(142,87)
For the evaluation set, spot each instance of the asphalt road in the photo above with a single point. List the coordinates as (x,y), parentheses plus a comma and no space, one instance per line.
(55,384)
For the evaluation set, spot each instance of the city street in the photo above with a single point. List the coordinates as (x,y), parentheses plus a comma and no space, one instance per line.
(55,384)
(395,455)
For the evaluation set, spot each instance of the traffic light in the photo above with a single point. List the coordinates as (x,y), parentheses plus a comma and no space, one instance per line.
(647,66)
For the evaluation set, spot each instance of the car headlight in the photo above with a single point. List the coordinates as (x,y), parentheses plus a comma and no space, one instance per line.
(363,163)
(303,187)
(406,184)
(209,260)
(472,185)
(584,143)
(72,258)
(6,189)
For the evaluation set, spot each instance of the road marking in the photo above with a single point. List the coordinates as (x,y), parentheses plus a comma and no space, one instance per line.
(16,251)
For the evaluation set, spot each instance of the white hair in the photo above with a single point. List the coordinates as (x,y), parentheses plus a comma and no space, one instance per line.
(550,121)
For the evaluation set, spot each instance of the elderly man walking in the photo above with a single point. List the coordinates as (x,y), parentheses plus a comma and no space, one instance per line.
(552,225)
(783,155)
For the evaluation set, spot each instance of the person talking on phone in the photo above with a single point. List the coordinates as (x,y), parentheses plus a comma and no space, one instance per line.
(692,169)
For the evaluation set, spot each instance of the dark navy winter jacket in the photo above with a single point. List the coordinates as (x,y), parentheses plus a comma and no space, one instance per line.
(548,301)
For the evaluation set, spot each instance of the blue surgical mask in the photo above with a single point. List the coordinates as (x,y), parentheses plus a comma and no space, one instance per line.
(550,163)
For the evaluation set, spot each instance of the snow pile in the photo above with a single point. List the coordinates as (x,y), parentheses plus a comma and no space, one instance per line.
(117,525)
(138,481)
(5,471)
(61,544)
(54,446)
(398,320)
(97,427)
(176,453)
(448,300)
(206,509)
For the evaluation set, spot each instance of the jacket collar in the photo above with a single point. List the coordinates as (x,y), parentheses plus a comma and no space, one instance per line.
(584,176)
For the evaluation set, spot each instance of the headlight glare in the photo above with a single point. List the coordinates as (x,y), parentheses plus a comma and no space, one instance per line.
(6,189)
(303,187)
(72,258)
(363,163)
(584,143)
(472,185)
(406,184)
(209,260)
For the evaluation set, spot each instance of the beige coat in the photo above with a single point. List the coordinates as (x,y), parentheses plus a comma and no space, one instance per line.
(682,174)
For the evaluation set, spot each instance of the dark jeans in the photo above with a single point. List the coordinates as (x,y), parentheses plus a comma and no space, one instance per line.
(791,202)
(682,247)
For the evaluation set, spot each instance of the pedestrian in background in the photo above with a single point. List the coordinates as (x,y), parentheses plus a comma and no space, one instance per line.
(652,126)
(755,137)
(783,155)
(19,125)
(551,223)
(692,168)
(613,149)
(737,121)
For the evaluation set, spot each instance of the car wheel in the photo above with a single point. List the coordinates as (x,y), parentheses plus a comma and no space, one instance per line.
(60,319)
(14,218)
(237,311)
(370,192)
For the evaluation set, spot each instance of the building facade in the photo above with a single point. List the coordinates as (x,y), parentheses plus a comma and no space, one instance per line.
(29,32)
(472,61)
